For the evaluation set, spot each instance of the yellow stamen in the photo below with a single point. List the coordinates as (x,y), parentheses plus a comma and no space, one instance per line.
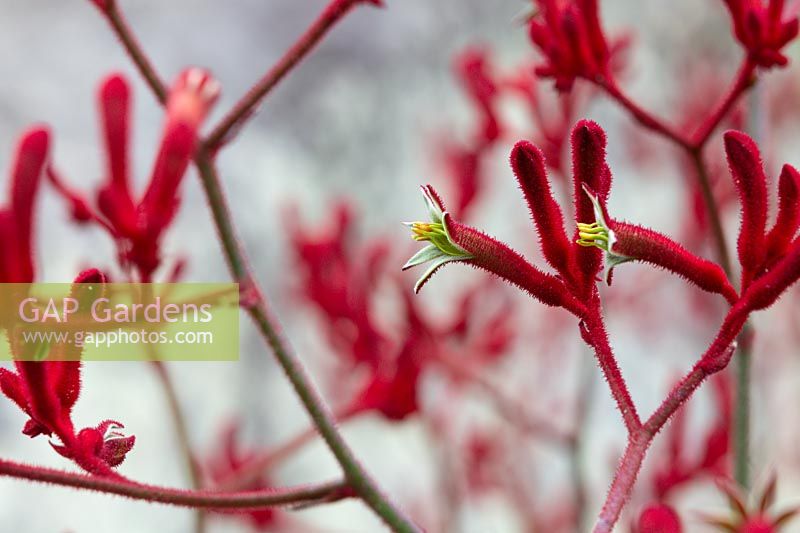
(593,235)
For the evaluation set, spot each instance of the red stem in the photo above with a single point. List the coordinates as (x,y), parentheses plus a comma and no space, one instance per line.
(694,143)
(718,355)
(642,116)
(324,492)
(245,107)
(714,360)
(744,80)
(596,333)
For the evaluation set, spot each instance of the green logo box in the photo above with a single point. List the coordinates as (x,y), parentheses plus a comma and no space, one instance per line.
(119,322)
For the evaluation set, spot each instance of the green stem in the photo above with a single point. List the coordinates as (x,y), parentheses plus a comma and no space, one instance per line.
(741,423)
(135,50)
(741,431)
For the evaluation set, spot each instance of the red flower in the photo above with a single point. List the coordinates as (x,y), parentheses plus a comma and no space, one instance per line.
(629,242)
(340,287)
(747,170)
(577,267)
(762,29)
(770,260)
(529,168)
(138,224)
(16,220)
(47,390)
(453,241)
(569,34)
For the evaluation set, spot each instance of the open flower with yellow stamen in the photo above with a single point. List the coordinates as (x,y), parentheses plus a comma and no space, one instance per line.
(452,241)
(600,235)
(623,242)
(442,249)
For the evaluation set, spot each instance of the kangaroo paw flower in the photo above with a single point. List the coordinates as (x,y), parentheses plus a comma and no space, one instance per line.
(762,30)
(623,242)
(442,249)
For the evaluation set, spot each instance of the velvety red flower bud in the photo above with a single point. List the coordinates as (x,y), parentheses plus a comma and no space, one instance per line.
(765,290)
(747,170)
(762,30)
(493,256)
(632,242)
(114,198)
(570,36)
(589,171)
(528,164)
(659,518)
(788,219)
(17,219)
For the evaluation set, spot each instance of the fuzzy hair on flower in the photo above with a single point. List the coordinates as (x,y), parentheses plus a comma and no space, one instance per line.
(46,391)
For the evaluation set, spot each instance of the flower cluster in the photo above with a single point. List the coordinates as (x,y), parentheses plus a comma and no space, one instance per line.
(763,30)
(577,266)
(570,36)
(46,391)
(137,225)
(770,263)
